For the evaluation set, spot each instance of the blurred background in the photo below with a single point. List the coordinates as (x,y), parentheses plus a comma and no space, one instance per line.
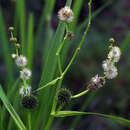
(111,19)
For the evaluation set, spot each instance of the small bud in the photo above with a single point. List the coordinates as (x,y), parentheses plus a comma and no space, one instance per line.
(17,45)
(14,56)
(11,29)
(66,14)
(13,39)
(64,96)
(111,40)
(70,36)
(29,102)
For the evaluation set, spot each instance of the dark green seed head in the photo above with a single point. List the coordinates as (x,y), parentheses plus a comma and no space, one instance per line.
(64,96)
(29,102)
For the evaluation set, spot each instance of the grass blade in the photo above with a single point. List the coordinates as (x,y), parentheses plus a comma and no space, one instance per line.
(11,110)
(76,113)
(5,47)
(30,41)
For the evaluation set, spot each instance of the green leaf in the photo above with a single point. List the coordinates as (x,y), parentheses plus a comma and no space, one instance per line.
(11,110)
(76,113)
(30,41)
(6,52)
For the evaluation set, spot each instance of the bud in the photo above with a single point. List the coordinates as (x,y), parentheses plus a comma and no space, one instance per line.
(70,36)
(14,56)
(64,96)
(111,40)
(11,29)
(13,39)
(17,45)
(29,102)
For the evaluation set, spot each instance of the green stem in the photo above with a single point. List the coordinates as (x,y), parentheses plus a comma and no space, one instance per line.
(82,41)
(80,94)
(29,121)
(60,49)
(48,84)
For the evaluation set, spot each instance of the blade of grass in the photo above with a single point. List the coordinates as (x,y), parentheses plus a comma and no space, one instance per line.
(6,53)
(30,41)
(76,113)
(46,15)
(76,10)
(11,110)
(21,15)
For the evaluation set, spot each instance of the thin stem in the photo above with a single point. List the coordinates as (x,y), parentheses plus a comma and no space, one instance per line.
(29,121)
(82,41)
(80,94)
(60,49)
(48,84)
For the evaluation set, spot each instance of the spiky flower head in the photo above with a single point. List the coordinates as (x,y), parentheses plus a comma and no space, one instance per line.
(25,74)
(29,102)
(96,82)
(25,90)
(111,72)
(66,14)
(21,61)
(114,54)
(64,96)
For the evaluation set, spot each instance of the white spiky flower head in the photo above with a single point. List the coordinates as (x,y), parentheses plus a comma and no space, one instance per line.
(106,64)
(111,72)
(25,90)
(21,61)
(114,54)
(25,74)
(66,14)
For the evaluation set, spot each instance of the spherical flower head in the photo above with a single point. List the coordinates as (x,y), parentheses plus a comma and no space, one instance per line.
(66,14)
(96,82)
(111,73)
(114,54)
(25,91)
(107,64)
(21,61)
(25,74)
(29,102)
(64,96)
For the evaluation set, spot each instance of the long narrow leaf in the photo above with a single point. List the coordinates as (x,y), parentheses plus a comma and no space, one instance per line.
(76,113)
(11,110)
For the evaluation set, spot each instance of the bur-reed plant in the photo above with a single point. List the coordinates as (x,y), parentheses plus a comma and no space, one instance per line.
(46,102)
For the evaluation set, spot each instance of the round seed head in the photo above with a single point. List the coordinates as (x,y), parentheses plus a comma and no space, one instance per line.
(29,102)
(64,96)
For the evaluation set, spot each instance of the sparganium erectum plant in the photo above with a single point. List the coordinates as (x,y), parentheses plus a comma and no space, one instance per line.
(61,97)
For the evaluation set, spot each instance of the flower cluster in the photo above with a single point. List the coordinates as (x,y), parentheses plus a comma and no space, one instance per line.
(66,14)
(108,65)
(28,100)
